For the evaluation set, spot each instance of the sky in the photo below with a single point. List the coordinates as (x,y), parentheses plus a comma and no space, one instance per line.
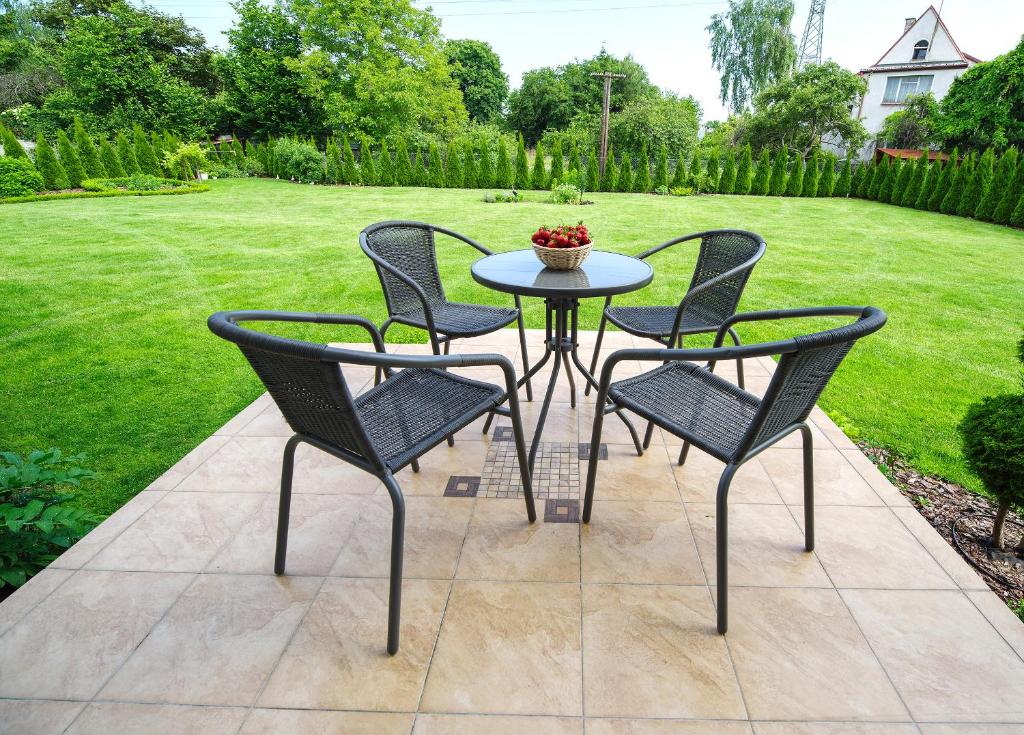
(668,36)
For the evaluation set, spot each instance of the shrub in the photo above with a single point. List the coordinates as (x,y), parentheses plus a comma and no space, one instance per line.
(521,178)
(681,191)
(435,168)
(1011,195)
(503,175)
(827,180)
(958,180)
(642,172)
(695,170)
(557,163)
(844,182)
(1017,216)
(611,172)
(679,173)
(386,167)
(54,175)
(12,146)
(931,172)
(539,175)
(943,181)
(144,152)
(901,182)
(919,171)
(1001,180)
(976,185)
(727,183)
(349,169)
(593,172)
(777,182)
(111,163)
(332,163)
(812,175)
(859,175)
(453,167)
(38,525)
(419,167)
(795,182)
(661,170)
(126,154)
(744,173)
(888,183)
(188,160)
(503,197)
(485,174)
(87,153)
(762,178)
(661,190)
(298,161)
(878,171)
(566,194)
(624,181)
(993,440)
(69,160)
(470,175)
(18,177)
(135,182)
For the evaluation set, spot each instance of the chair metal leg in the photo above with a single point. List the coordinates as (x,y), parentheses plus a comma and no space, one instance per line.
(447,346)
(572,383)
(805,430)
(595,450)
(524,462)
(488,422)
(415,464)
(648,434)
(397,545)
(597,346)
(739,361)
(526,358)
(722,545)
(683,452)
(284,507)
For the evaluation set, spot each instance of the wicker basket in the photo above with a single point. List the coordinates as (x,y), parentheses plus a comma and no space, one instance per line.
(562,259)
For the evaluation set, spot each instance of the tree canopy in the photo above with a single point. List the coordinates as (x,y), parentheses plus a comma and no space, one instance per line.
(477,70)
(913,126)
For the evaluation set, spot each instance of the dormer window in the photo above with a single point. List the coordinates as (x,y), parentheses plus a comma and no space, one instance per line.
(920,50)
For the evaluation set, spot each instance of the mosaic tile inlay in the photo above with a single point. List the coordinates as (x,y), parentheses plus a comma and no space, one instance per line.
(556,472)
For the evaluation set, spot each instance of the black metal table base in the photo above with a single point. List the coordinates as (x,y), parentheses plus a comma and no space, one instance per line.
(562,341)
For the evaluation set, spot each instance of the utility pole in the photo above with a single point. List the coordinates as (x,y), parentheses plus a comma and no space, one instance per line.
(608,77)
(810,44)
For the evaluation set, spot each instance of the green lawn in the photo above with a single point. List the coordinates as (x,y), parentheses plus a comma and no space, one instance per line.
(104,347)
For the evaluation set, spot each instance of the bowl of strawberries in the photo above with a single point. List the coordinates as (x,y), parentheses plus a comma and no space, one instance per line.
(562,248)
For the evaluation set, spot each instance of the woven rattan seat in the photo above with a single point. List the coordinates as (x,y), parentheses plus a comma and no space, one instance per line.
(644,321)
(461,320)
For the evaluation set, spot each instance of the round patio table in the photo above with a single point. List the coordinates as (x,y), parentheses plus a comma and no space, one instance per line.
(602,274)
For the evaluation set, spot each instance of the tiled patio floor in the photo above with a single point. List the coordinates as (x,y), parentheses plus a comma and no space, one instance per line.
(167,618)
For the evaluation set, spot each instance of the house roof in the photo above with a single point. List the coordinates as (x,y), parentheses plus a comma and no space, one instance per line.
(908,153)
(964,58)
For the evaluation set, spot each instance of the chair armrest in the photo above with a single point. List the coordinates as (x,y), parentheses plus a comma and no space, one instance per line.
(458,236)
(428,313)
(674,241)
(216,321)
(778,314)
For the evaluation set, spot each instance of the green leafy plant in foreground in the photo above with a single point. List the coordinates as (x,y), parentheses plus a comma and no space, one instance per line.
(35,524)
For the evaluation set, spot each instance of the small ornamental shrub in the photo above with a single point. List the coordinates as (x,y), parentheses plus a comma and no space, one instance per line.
(976,186)
(642,172)
(993,441)
(943,181)
(503,197)
(678,173)
(812,175)
(557,172)
(777,182)
(69,160)
(18,177)
(503,175)
(386,166)
(485,173)
(54,175)
(727,183)
(521,180)
(453,167)
(1011,195)
(11,145)
(539,175)
(435,168)
(144,152)
(712,172)
(795,182)
(111,163)
(349,169)
(188,160)
(661,170)
(827,180)
(367,166)
(298,161)
(611,172)
(1001,180)
(87,153)
(135,182)
(593,172)
(661,191)
(681,191)
(745,172)
(624,181)
(566,194)
(38,524)
(470,174)
(126,154)
(157,142)
(762,178)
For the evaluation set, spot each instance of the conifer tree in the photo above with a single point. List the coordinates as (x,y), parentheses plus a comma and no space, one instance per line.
(1012,194)
(611,172)
(975,187)
(251,151)
(695,170)
(557,163)
(539,174)
(844,184)
(957,183)
(827,179)
(760,185)
(349,169)
(485,169)
(795,182)
(332,163)
(890,182)
(642,172)
(521,179)
(87,153)
(878,173)
(70,161)
(574,158)
(111,163)
(857,179)
(1001,180)
(898,181)
(745,172)
(54,175)
(712,173)
(12,146)
(1017,216)
(157,141)
(593,172)
(777,181)
(678,173)
(503,177)
(453,167)
(812,175)
(417,174)
(238,151)
(435,168)
(727,183)
(931,174)
(386,166)
(943,178)
(912,192)
(144,152)
(126,154)
(403,164)
(367,166)
(470,170)
(661,169)
(624,180)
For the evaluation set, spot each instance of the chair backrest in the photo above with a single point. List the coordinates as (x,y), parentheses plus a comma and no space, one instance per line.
(802,375)
(407,247)
(310,390)
(720,252)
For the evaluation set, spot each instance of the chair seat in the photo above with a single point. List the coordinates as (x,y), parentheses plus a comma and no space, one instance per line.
(656,322)
(692,403)
(413,410)
(462,320)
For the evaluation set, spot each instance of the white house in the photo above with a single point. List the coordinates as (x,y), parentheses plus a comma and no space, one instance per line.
(925,58)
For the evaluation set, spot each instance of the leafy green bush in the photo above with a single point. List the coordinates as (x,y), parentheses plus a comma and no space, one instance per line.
(503,197)
(301,161)
(566,194)
(681,191)
(135,182)
(662,190)
(187,160)
(38,526)
(18,177)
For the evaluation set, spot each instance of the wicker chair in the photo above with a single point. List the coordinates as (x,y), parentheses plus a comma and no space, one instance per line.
(380,431)
(691,402)
(724,263)
(405,256)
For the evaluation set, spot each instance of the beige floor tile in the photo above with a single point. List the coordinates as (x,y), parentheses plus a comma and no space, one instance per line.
(30,594)
(625,476)
(874,477)
(434,531)
(613,430)
(836,482)
(698,479)
(639,542)
(318,527)
(503,545)
(560,425)
(828,427)
(800,656)
(766,546)
(310,722)
(1009,626)
(954,565)
(268,423)
(666,727)
(181,533)
(246,415)
(337,658)
(869,547)
(795,440)
(495,725)
(467,457)
(103,534)
(508,647)
(82,633)
(103,718)
(652,651)
(219,642)
(834,728)
(947,661)
(972,729)
(36,717)
(187,464)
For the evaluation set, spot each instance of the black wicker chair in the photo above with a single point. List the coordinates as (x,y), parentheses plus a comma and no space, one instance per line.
(691,402)
(405,256)
(724,263)
(380,431)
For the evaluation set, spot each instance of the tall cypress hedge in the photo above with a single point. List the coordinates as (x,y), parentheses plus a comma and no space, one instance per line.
(111,163)
(642,171)
(679,173)
(386,166)
(485,173)
(761,185)
(367,166)
(727,182)
(470,170)
(943,181)
(624,181)
(87,153)
(695,168)
(126,153)
(1017,216)
(713,171)
(12,146)
(403,164)
(349,169)
(744,172)
(144,153)
(557,163)
(977,184)
(1002,179)
(919,172)
(54,175)
(879,171)
(795,183)
(453,167)
(661,169)
(957,183)
(522,171)
(332,163)
(70,161)
(1011,195)
(611,172)
(593,171)
(435,168)
(503,169)
(812,175)
(777,182)
(539,174)
(574,158)
(845,180)
(827,179)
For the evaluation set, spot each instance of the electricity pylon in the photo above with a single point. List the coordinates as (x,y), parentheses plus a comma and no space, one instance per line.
(810,44)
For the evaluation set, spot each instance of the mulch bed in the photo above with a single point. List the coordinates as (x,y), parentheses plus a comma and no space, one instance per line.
(965,520)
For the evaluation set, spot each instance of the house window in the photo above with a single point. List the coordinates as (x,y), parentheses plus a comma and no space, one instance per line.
(897,89)
(920,50)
